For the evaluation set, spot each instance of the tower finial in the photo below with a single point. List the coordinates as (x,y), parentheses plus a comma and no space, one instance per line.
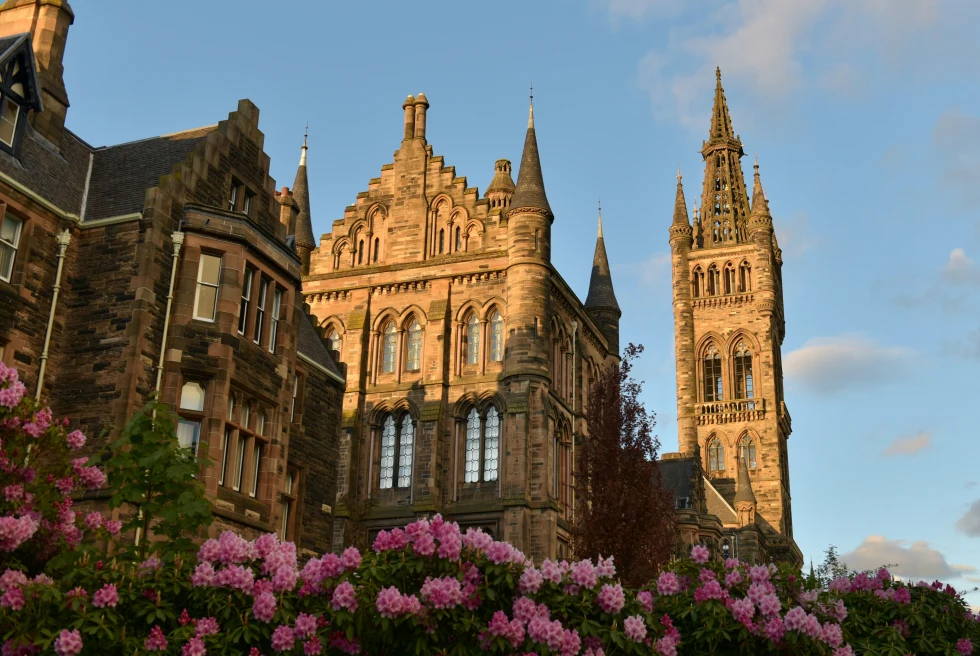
(756,165)
(600,218)
(302,155)
(718,74)
(530,111)
(306,133)
(678,173)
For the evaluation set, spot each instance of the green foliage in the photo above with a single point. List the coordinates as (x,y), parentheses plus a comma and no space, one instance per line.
(150,470)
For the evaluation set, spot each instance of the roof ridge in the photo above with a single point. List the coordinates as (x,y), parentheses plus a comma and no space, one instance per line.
(213,126)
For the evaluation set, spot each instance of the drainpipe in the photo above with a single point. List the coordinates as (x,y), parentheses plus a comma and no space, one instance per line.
(178,240)
(63,239)
(574,389)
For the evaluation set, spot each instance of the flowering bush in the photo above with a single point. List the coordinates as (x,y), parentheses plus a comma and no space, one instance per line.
(430,589)
(38,474)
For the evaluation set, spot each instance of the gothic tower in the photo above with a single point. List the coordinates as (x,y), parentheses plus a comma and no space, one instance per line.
(728,331)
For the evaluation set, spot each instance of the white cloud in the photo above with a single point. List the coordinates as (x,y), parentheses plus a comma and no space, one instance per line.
(960,269)
(969,523)
(906,446)
(915,561)
(825,365)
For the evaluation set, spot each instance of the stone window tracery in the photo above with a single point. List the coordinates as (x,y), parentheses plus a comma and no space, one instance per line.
(713,388)
(744,387)
(496,337)
(745,277)
(748,452)
(389,348)
(413,361)
(397,450)
(730,285)
(697,280)
(482,447)
(716,455)
(714,280)
(472,339)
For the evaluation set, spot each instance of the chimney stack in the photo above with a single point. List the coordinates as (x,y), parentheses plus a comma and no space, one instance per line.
(409,107)
(421,104)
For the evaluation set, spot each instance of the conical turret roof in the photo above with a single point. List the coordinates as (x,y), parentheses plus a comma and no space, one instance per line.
(680,204)
(301,194)
(759,205)
(530,192)
(501,177)
(601,294)
(744,491)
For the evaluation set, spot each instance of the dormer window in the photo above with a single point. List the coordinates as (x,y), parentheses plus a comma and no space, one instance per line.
(18,90)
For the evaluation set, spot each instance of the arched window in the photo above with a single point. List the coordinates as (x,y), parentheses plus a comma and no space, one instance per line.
(472,339)
(743,372)
(726,549)
(748,452)
(698,280)
(397,446)
(360,252)
(730,278)
(482,446)
(388,349)
(459,240)
(496,337)
(334,338)
(716,456)
(562,468)
(714,280)
(377,248)
(745,277)
(191,411)
(713,388)
(414,360)
(442,241)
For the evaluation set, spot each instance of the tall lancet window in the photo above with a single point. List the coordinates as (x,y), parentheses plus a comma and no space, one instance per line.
(414,359)
(496,338)
(388,349)
(473,340)
(743,372)
(716,455)
(713,388)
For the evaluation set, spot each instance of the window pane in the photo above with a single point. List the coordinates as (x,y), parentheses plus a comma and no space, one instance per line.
(260,423)
(240,462)
(206,298)
(6,261)
(260,309)
(274,327)
(225,445)
(192,396)
(497,338)
(414,347)
(472,460)
(8,121)
(256,463)
(188,434)
(473,340)
(491,445)
(405,447)
(388,453)
(246,296)
(9,240)
(210,269)
(389,348)
(286,507)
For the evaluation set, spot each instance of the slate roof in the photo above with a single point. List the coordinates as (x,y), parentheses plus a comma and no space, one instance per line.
(304,220)
(310,345)
(717,505)
(677,474)
(57,177)
(121,174)
(530,183)
(601,293)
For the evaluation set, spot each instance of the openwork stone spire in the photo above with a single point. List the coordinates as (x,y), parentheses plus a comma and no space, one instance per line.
(724,201)
(301,194)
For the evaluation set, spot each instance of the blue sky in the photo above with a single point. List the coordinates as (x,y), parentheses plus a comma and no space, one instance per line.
(864,117)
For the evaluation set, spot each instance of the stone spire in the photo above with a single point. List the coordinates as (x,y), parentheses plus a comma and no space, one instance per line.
(530,194)
(601,294)
(744,490)
(680,204)
(724,201)
(305,242)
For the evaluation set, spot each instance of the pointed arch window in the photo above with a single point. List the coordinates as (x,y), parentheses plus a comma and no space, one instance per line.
(397,450)
(360,252)
(459,240)
(698,281)
(730,285)
(716,455)
(713,387)
(744,388)
(442,241)
(414,360)
(496,337)
(389,349)
(482,447)
(748,452)
(744,277)
(377,248)
(472,339)
(334,338)
(714,280)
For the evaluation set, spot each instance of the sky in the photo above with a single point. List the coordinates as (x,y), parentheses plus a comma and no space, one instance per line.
(864,117)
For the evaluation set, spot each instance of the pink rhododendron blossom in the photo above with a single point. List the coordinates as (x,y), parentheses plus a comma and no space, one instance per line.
(107,596)
(770,605)
(710,590)
(265,544)
(645,599)
(12,578)
(14,531)
(236,577)
(350,559)
(391,603)
(584,574)
(13,598)
(193,647)
(634,628)
(156,641)
(305,625)
(443,592)
(283,638)
(232,548)
(510,630)
(743,610)
(312,647)
(151,564)
(531,580)
(203,575)
(264,607)
(208,553)
(732,577)
(667,584)
(13,493)
(699,554)
(389,541)
(775,629)
(611,598)
(832,634)
(964,646)
(113,526)
(476,539)
(75,439)
(795,619)
(844,651)
(759,574)
(550,571)
(841,584)
(94,521)
(284,579)
(68,643)
(605,567)
(345,596)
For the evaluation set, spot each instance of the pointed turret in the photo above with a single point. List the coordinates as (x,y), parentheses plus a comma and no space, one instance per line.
(305,242)
(680,203)
(745,502)
(724,201)
(601,302)
(501,189)
(530,194)
(759,204)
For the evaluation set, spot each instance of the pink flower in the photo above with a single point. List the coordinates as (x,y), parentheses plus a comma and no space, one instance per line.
(13,598)
(731,563)
(156,641)
(531,580)
(208,553)
(232,548)
(699,554)
(305,625)
(759,574)
(443,592)
(634,628)
(12,578)
(795,619)
(391,602)
(94,521)
(114,526)
(964,646)
(510,630)
(283,638)
(710,590)
(264,607)
(207,626)
(645,597)
(14,531)
(91,478)
(605,568)
(666,646)
(841,584)
(203,575)
(284,579)
(550,571)
(312,647)
(107,596)
(390,541)
(901,594)
(611,598)
(345,596)
(13,493)
(236,577)
(732,578)
(265,544)
(75,439)
(775,629)
(194,647)
(743,610)
(844,651)
(832,635)
(770,605)
(667,584)
(584,574)
(68,643)
(350,559)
